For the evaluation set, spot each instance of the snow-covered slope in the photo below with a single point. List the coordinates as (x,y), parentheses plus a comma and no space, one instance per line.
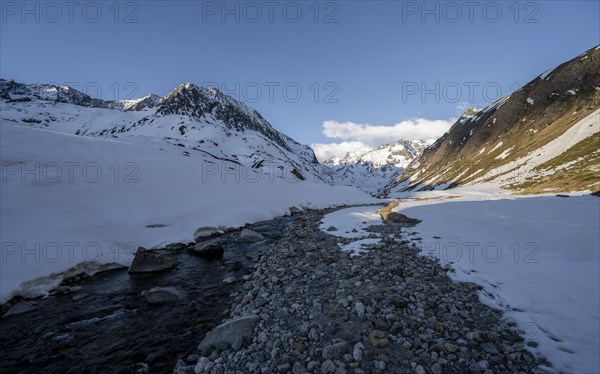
(371,170)
(85,183)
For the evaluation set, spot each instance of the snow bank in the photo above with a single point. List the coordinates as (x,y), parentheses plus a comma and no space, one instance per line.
(536,258)
(70,199)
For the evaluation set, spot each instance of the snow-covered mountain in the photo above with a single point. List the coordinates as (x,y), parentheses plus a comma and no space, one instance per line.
(542,138)
(373,169)
(196,118)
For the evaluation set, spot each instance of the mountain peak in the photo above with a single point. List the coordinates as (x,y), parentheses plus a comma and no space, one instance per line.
(471,111)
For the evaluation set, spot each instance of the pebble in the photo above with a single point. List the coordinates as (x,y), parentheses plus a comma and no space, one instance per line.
(360,309)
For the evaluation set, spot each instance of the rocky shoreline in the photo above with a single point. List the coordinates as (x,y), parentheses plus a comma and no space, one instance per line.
(310,307)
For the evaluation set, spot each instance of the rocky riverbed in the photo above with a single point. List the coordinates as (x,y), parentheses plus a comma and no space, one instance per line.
(310,307)
(283,298)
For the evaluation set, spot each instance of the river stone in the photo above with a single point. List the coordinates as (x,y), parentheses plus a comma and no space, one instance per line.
(202,366)
(19,308)
(328,367)
(489,348)
(79,296)
(379,339)
(149,261)
(250,236)
(360,309)
(229,280)
(231,334)
(163,295)
(182,368)
(334,351)
(379,365)
(208,249)
(357,351)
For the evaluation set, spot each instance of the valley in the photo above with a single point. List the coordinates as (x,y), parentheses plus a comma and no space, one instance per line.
(474,252)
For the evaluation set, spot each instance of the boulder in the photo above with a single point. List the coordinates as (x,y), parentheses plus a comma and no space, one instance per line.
(149,261)
(19,308)
(250,236)
(208,249)
(231,334)
(295,210)
(207,232)
(163,295)
(401,218)
(176,246)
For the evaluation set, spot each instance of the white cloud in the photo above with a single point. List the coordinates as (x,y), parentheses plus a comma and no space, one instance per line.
(375,135)
(358,136)
(328,151)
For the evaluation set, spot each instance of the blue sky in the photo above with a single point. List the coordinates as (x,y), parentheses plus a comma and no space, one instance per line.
(354,61)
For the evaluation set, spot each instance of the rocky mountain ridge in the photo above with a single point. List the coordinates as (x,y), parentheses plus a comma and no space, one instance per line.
(200,119)
(542,138)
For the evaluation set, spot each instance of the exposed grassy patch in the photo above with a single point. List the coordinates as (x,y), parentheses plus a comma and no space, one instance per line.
(520,136)
(582,172)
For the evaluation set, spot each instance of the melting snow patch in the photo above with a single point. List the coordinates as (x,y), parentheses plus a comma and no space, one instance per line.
(496,147)
(547,73)
(504,154)
(360,246)
(530,101)
(351,223)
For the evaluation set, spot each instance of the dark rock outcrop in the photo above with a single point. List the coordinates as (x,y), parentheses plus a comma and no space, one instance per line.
(209,249)
(150,261)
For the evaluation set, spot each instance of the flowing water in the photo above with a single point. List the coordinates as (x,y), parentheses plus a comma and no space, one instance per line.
(111,328)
